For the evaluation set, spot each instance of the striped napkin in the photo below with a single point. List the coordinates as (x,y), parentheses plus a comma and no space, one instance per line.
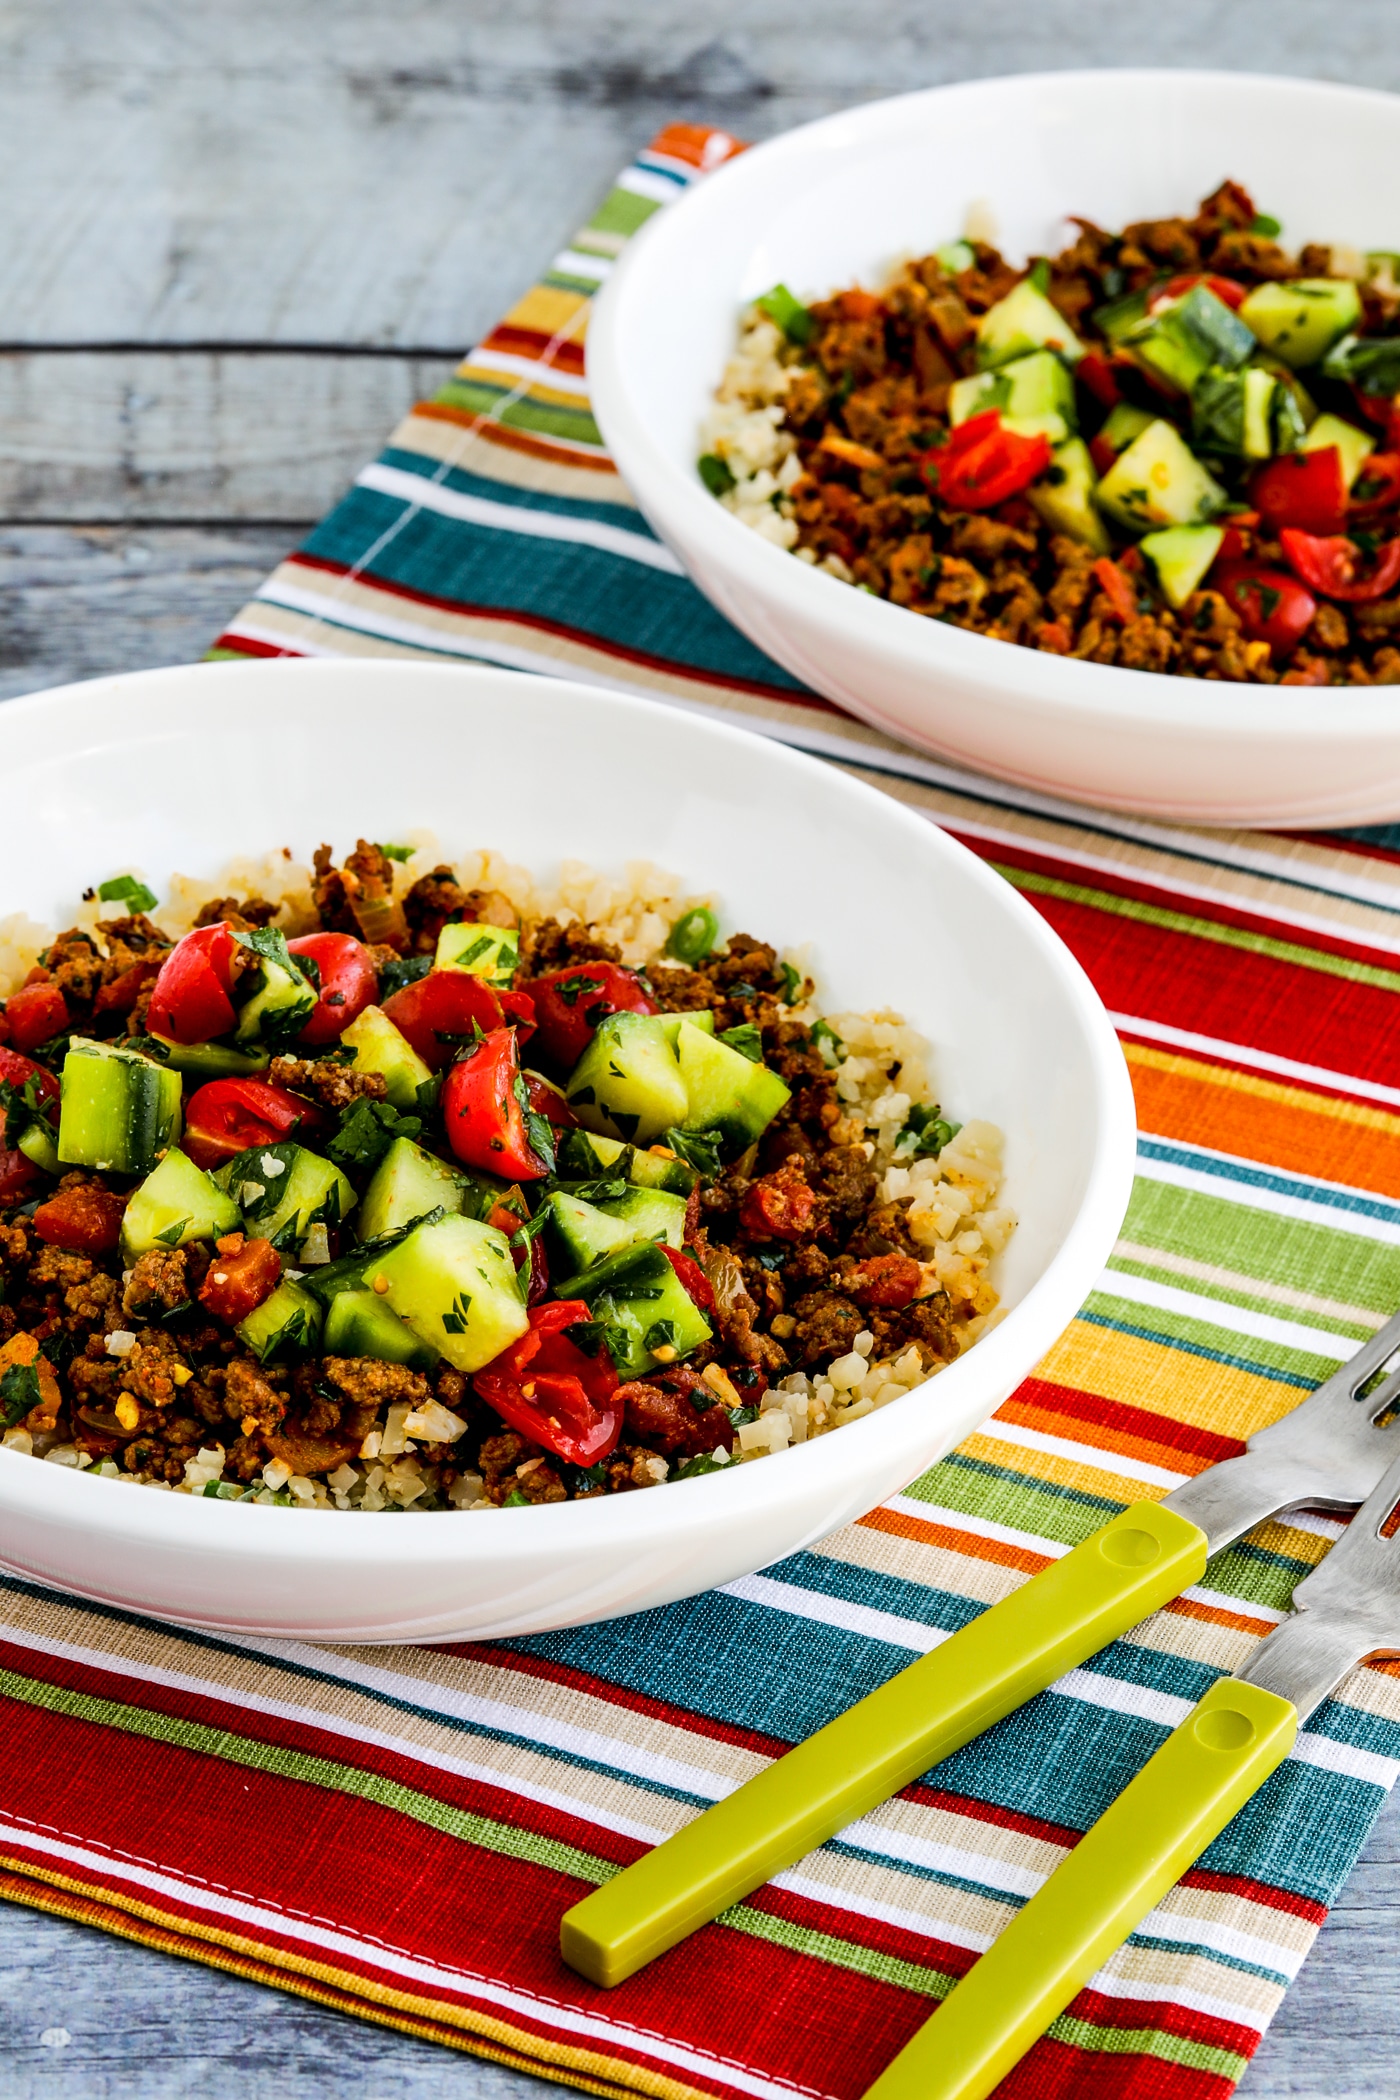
(397,1832)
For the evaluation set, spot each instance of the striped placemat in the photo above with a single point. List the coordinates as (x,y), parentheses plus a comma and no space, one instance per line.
(398,1832)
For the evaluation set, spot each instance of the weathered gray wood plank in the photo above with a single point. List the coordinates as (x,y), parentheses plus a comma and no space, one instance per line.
(194,434)
(80,602)
(366,174)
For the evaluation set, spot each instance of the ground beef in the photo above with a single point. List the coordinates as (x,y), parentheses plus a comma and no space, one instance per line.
(329,1083)
(545,945)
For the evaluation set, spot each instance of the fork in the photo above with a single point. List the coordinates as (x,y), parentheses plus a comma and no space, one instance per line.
(1345,1613)
(1330,1452)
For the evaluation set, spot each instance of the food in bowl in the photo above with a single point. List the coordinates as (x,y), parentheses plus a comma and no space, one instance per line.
(1173,448)
(396,1185)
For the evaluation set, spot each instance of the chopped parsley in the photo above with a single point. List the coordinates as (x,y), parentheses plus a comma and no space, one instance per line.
(126,889)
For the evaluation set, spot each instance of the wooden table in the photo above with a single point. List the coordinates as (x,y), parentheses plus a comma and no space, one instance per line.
(236,241)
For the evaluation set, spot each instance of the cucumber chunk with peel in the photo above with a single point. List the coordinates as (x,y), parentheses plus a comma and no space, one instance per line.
(585,1157)
(648,1214)
(454,1283)
(628,1082)
(407,1184)
(360,1323)
(1064,497)
(578,1234)
(380,1047)
(1158,481)
(492,952)
(724,1090)
(640,1300)
(283,1325)
(1023,321)
(1181,556)
(283,1190)
(1299,322)
(118,1111)
(1035,389)
(175,1204)
(1354,446)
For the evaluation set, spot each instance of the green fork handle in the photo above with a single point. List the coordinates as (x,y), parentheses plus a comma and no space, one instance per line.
(1124,1573)
(1203,1774)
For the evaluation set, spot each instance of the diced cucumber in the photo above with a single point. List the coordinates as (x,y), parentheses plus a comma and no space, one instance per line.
(1354,445)
(1183,339)
(1181,556)
(380,1047)
(454,1283)
(492,952)
(1024,320)
(702,1019)
(1233,412)
(1064,496)
(1036,388)
(1299,322)
(579,1234)
(644,1305)
(649,1214)
(955,257)
(628,1083)
(119,1110)
(584,1157)
(283,999)
(724,1090)
(1123,423)
(408,1183)
(212,1060)
(176,1203)
(284,1324)
(283,1190)
(36,1143)
(1159,481)
(1293,413)
(360,1323)
(1117,318)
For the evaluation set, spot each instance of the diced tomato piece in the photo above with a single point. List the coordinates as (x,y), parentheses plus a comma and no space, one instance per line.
(570,1005)
(19,1177)
(439,1012)
(484,1103)
(1305,489)
(121,995)
(1339,568)
(693,1280)
(554,1392)
(348,983)
(779,1207)
(36,1013)
(859,306)
(193,997)
(983,463)
(226,1116)
(1096,373)
(519,1009)
(88,1220)
(1102,453)
(886,1281)
(1375,489)
(242,1274)
(1273,607)
(547,1101)
(18,1071)
(1116,588)
(1228,290)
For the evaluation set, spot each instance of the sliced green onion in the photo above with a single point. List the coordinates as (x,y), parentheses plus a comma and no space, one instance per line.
(398,853)
(125,889)
(1269,227)
(787,313)
(693,935)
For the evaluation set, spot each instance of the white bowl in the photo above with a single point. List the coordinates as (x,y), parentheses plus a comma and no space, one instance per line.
(179,770)
(838,202)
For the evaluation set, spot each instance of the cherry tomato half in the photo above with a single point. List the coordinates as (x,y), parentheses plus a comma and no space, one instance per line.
(1338,568)
(483,1107)
(1273,607)
(552,1391)
(1304,489)
(20,1070)
(348,983)
(226,1116)
(570,1005)
(983,463)
(1376,488)
(1096,373)
(193,997)
(1228,290)
(438,1012)
(35,1013)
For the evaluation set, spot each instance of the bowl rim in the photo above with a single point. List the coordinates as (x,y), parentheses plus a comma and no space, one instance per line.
(181,1523)
(673,498)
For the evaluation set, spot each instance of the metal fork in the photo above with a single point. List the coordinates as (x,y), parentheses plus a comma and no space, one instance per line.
(1346,1612)
(1329,1451)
